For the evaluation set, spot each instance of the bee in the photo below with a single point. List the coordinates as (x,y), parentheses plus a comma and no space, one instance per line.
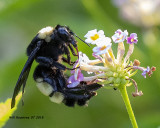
(48,48)
(53,83)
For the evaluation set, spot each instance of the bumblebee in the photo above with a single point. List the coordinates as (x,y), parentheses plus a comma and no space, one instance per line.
(48,48)
(53,83)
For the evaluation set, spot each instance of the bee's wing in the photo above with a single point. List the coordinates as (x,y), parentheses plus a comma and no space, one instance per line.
(24,74)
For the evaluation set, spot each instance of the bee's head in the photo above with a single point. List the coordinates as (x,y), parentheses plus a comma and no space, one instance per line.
(66,35)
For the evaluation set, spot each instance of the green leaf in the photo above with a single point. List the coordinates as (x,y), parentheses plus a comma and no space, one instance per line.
(6,111)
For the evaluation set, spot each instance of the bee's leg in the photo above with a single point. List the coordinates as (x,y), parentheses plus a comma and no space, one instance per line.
(93,87)
(55,96)
(44,61)
(71,98)
(66,61)
(49,62)
(69,102)
(72,50)
(83,93)
(83,87)
(78,96)
(45,82)
(61,80)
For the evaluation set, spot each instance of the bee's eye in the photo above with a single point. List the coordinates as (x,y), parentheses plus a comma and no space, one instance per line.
(63,33)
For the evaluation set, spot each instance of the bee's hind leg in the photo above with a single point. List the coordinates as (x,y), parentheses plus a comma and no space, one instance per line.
(47,83)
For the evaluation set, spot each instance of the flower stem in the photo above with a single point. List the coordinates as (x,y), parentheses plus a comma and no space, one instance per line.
(125,97)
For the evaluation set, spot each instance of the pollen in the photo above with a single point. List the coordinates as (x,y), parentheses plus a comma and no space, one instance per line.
(95,37)
(103,47)
(132,40)
(120,38)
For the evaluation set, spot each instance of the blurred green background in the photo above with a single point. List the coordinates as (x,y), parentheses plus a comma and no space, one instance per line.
(20,20)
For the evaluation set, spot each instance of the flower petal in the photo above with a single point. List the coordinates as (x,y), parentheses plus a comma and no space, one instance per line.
(96,56)
(71,79)
(102,51)
(91,33)
(96,49)
(74,84)
(92,36)
(88,40)
(80,76)
(101,32)
(103,41)
(132,39)
(119,36)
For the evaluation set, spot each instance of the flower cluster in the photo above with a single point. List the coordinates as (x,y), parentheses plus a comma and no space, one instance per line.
(107,69)
(98,38)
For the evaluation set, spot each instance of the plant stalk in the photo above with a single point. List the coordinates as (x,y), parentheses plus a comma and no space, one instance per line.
(126,100)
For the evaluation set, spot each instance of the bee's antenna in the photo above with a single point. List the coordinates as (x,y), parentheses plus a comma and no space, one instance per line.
(82,40)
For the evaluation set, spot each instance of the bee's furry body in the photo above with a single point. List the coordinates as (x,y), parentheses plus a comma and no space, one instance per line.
(48,48)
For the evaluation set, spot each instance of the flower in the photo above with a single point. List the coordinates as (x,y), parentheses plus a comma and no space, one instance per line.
(75,79)
(97,56)
(132,39)
(102,46)
(112,72)
(92,36)
(103,41)
(77,76)
(148,71)
(101,50)
(119,36)
(83,58)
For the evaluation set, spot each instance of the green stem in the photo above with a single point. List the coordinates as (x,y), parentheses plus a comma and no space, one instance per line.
(125,97)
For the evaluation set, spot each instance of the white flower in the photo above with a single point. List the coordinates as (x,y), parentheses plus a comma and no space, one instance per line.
(83,60)
(103,45)
(119,36)
(103,41)
(92,36)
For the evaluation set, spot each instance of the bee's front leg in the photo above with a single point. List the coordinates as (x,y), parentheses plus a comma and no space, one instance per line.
(49,62)
(66,61)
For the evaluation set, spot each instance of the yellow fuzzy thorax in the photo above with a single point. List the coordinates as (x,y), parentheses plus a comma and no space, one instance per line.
(45,33)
